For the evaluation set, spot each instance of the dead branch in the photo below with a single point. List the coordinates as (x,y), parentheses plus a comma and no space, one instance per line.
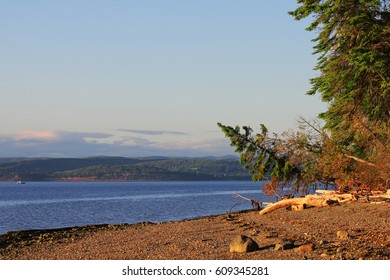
(255,204)
(360,160)
(321,192)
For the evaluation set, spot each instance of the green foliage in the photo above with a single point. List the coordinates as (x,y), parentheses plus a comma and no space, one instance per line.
(286,160)
(354,45)
(352,149)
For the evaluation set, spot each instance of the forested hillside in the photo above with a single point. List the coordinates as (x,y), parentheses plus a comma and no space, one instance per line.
(122,169)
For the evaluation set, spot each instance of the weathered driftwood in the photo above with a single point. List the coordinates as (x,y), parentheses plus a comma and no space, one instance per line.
(313,200)
(379,198)
(324,192)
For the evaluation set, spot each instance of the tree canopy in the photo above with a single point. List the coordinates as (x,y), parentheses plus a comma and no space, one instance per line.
(352,148)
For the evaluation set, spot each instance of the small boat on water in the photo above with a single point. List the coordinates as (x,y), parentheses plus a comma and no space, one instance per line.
(20,182)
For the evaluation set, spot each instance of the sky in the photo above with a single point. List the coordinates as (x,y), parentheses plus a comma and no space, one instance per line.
(133,78)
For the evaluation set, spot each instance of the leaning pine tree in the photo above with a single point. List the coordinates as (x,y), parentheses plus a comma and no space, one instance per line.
(352,150)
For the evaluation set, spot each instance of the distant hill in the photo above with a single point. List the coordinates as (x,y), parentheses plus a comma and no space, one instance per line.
(122,169)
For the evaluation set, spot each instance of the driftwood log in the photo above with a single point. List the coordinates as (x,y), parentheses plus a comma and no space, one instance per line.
(324,198)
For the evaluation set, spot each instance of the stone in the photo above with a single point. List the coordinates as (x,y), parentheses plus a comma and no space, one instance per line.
(308,237)
(284,246)
(243,244)
(304,248)
(271,234)
(342,234)
(340,249)
(278,247)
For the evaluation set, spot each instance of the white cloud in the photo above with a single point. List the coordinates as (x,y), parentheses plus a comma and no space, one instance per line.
(152,132)
(36,134)
(84,144)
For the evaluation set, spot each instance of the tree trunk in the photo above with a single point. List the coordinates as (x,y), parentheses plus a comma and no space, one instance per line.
(313,200)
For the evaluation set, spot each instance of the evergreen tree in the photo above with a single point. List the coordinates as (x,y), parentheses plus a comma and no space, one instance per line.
(354,64)
(353,45)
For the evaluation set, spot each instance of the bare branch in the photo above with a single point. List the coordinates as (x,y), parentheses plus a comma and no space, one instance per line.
(360,160)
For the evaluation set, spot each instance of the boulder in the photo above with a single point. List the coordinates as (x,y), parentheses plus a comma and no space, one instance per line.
(243,244)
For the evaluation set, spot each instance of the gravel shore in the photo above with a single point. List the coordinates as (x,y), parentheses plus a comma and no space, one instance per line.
(359,230)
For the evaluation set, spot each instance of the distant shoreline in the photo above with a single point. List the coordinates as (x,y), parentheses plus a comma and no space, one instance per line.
(136,181)
(123,169)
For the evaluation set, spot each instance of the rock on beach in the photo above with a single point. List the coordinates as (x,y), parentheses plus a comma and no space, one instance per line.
(243,244)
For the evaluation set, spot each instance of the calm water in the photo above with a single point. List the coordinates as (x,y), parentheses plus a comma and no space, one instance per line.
(43,205)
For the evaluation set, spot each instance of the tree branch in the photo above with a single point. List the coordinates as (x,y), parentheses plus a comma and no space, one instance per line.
(360,160)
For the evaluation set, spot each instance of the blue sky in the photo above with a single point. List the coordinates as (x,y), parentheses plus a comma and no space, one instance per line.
(138,78)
